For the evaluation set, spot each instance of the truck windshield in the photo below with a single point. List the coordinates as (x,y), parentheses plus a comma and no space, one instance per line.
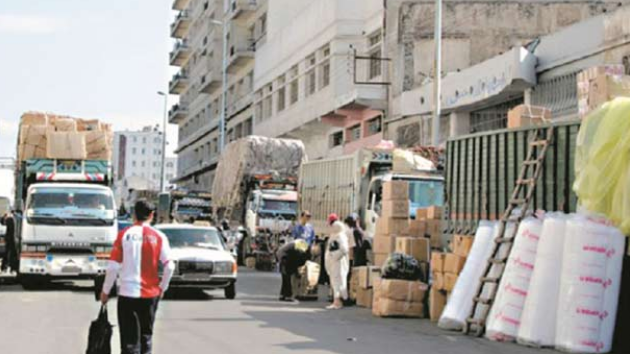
(193,237)
(71,203)
(282,206)
(425,193)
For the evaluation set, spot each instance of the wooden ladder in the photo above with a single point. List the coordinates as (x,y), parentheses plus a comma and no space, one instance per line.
(514,213)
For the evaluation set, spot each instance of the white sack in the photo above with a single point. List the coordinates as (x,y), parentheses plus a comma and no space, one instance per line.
(505,317)
(538,321)
(460,304)
(589,289)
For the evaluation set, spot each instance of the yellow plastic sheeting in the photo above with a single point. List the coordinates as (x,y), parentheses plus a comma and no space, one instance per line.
(602,162)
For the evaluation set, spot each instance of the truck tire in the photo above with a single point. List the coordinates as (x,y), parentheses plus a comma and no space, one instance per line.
(230,292)
(32,282)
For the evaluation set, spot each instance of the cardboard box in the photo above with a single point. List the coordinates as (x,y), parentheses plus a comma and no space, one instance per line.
(438,280)
(395,209)
(434,231)
(34,118)
(36,135)
(417,228)
(403,290)
(526,115)
(421,213)
(384,244)
(380,258)
(392,226)
(365,297)
(437,302)
(84,125)
(65,145)
(392,308)
(250,262)
(453,263)
(584,77)
(363,276)
(396,190)
(434,213)
(606,88)
(437,262)
(418,248)
(449,281)
(64,124)
(461,245)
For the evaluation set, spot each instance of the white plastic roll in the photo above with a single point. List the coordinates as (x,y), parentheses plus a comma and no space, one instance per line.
(589,289)
(460,304)
(538,320)
(504,319)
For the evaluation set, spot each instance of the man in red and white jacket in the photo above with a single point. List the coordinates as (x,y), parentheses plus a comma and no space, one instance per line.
(136,256)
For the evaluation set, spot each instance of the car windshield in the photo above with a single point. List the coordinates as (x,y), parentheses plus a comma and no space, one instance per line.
(71,202)
(282,206)
(425,193)
(193,237)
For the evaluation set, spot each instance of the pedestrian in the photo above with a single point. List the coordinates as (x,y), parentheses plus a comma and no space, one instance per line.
(361,246)
(304,230)
(137,253)
(337,263)
(291,257)
(10,258)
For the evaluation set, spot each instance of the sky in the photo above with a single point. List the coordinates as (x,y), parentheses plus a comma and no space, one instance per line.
(103,59)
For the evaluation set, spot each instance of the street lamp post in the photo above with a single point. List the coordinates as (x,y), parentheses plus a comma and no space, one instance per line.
(224,81)
(163,168)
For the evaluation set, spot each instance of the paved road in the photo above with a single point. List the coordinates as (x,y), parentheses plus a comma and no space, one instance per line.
(56,321)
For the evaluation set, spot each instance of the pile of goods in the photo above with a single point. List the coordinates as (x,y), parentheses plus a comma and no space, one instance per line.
(49,136)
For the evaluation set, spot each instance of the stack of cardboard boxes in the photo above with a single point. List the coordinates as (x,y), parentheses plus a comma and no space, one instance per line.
(393,222)
(600,84)
(445,269)
(44,135)
(428,223)
(399,298)
(362,284)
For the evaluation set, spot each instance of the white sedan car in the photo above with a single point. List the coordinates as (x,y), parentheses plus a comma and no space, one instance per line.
(202,258)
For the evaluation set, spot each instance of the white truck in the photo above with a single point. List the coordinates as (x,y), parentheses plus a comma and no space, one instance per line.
(255,186)
(65,219)
(354,184)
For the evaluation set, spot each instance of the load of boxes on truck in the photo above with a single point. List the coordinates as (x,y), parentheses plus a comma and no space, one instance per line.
(50,136)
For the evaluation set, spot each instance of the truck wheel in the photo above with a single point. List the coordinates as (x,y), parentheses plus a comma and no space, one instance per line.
(230,292)
(32,282)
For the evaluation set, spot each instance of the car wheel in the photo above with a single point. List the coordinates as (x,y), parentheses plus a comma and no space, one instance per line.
(32,282)
(230,292)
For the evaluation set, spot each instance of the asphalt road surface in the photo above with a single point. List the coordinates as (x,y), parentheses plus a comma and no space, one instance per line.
(56,321)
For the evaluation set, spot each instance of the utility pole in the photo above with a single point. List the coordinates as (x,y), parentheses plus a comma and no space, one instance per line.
(224,82)
(437,72)
(163,168)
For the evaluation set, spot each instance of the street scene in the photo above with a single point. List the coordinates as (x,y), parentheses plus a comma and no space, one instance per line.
(314,176)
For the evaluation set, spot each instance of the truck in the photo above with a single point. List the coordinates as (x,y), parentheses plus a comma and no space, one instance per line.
(65,219)
(354,184)
(183,206)
(482,168)
(255,187)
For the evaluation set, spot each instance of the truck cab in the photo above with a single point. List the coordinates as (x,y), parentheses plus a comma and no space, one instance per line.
(67,220)
(270,210)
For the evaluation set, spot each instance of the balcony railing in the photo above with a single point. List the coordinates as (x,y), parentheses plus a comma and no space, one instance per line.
(240,53)
(178,83)
(242,9)
(177,113)
(180,54)
(180,26)
(180,4)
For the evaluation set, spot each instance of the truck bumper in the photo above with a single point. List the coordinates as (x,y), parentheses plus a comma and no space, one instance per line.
(63,266)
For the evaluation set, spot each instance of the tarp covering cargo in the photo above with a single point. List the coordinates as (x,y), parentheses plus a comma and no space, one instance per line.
(251,156)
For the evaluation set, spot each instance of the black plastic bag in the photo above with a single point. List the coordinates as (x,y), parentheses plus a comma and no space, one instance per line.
(403,267)
(100,336)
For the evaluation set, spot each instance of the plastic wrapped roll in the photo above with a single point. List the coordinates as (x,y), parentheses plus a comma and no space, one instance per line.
(460,304)
(538,321)
(505,317)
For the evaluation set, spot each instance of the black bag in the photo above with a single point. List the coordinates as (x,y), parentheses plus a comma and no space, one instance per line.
(99,339)
(403,267)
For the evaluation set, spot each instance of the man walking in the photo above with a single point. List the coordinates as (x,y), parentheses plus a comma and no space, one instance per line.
(136,256)
(304,230)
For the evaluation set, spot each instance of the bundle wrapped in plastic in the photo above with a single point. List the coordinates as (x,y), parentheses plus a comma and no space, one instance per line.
(589,288)
(403,267)
(538,321)
(460,304)
(505,317)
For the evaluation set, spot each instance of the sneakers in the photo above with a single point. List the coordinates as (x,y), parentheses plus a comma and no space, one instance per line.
(288,299)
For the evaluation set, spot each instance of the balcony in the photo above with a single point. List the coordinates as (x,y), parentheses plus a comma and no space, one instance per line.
(242,10)
(240,53)
(180,27)
(177,113)
(180,4)
(178,84)
(180,54)
(211,82)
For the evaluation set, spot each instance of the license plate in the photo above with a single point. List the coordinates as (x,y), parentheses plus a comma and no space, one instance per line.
(71,269)
(196,276)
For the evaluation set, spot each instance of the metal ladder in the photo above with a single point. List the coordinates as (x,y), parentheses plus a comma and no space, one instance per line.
(520,201)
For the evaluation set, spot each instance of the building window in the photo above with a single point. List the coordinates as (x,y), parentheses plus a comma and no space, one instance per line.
(336,139)
(282,100)
(143,151)
(133,151)
(325,75)
(133,164)
(154,176)
(135,139)
(294,91)
(375,64)
(169,165)
(267,107)
(374,126)
(354,133)
(144,140)
(247,127)
(143,164)
(311,83)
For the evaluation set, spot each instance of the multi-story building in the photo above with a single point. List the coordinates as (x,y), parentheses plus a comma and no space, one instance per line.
(318,75)
(137,160)
(200,28)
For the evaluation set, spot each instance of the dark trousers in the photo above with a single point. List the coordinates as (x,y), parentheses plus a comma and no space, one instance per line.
(287,270)
(135,321)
